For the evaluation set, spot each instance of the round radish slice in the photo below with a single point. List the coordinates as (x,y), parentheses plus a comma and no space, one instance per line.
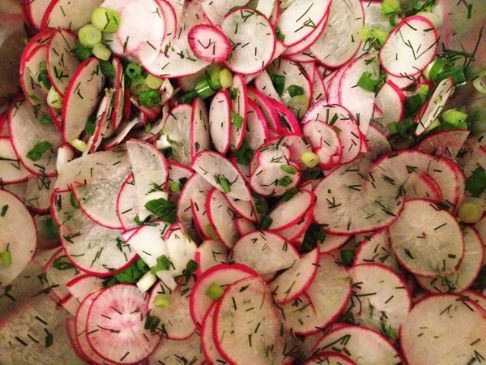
(239,105)
(81,98)
(222,275)
(444,144)
(246,322)
(150,171)
(293,282)
(65,14)
(58,272)
(360,344)
(426,240)
(332,242)
(376,249)
(213,168)
(249,54)
(115,325)
(61,62)
(390,99)
(272,180)
(209,43)
(38,193)
(380,298)
(300,52)
(347,203)
(19,236)
(444,329)
(325,140)
(200,138)
(177,130)
(257,129)
(83,285)
(175,320)
(173,352)
(265,252)
(11,170)
(410,47)
(215,10)
(299,229)
(34,143)
(300,18)
(221,217)
(126,202)
(329,358)
(467,270)
(340,39)
(434,106)
(289,212)
(211,352)
(220,121)
(210,253)
(91,247)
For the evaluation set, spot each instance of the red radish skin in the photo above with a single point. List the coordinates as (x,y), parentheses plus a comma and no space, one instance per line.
(209,43)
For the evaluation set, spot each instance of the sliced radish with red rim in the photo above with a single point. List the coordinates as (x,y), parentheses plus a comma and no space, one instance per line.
(177,130)
(422,185)
(376,249)
(210,253)
(12,170)
(289,212)
(220,121)
(68,15)
(390,99)
(446,143)
(325,140)
(239,105)
(209,43)
(221,217)
(272,180)
(174,351)
(83,285)
(330,358)
(200,137)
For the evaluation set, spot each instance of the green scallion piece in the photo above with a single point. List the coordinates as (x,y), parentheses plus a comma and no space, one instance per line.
(36,153)
(278,82)
(6,258)
(367,82)
(106,20)
(89,35)
(149,98)
(295,90)
(214,291)
(133,71)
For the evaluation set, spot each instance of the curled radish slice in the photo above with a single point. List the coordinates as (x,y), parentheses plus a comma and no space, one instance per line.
(11,169)
(257,129)
(459,323)
(237,26)
(221,217)
(265,252)
(426,240)
(410,47)
(172,351)
(210,253)
(19,236)
(324,138)
(467,270)
(115,325)
(209,43)
(220,121)
(376,249)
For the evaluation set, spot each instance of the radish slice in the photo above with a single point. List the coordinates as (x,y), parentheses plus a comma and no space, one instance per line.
(467,270)
(81,98)
(175,320)
(265,252)
(222,275)
(306,43)
(19,236)
(209,43)
(264,84)
(119,86)
(32,58)
(58,272)
(422,186)
(267,108)
(390,99)
(293,282)
(221,217)
(244,226)
(332,242)
(347,203)
(239,105)
(271,180)
(422,229)
(150,171)
(83,285)
(115,325)
(200,138)
(377,143)
(410,47)
(446,143)
(340,40)
(220,121)
(300,228)
(459,323)
(434,106)
(200,214)
(215,10)
(360,344)
(12,171)
(177,174)
(238,25)
(380,299)
(330,358)
(210,253)
(177,129)
(38,193)
(245,305)
(35,10)
(318,88)
(211,352)
(26,133)
(213,167)
(65,14)
(91,247)
(476,297)
(173,352)
(61,62)
(288,213)
(245,209)
(376,249)
(325,140)
(298,20)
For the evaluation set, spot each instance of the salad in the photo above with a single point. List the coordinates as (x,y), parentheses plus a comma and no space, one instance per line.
(243,182)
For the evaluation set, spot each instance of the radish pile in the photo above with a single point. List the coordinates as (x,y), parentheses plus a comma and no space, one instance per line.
(241,182)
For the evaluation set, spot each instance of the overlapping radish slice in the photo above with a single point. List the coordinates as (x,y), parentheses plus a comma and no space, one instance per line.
(213,168)
(245,321)
(329,357)
(200,214)
(263,83)
(360,344)
(35,11)
(200,137)
(390,99)
(211,352)
(65,14)
(467,271)
(215,10)
(32,58)
(325,140)
(119,86)
(237,26)
(446,327)
(239,105)
(83,285)
(300,228)
(265,252)
(289,212)
(11,169)
(245,209)
(377,143)
(34,143)
(115,325)
(376,249)
(340,39)
(446,143)
(209,43)
(150,172)
(19,236)
(210,253)
(177,130)
(91,247)
(421,185)
(426,240)
(347,203)
(257,129)
(58,272)
(332,242)
(221,217)
(172,351)
(222,275)
(81,98)
(220,121)
(244,226)
(272,180)
(410,47)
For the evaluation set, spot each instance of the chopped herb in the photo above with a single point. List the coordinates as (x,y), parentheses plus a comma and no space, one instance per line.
(278,82)
(244,154)
(63,263)
(265,222)
(295,90)
(476,183)
(223,182)
(163,209)
(236,119)
(36,153)
(163,264)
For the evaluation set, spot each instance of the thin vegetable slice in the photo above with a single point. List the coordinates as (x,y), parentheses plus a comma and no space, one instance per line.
(177,130)
(330,358)
(220,121)
(221,217)
(12,170)
(376,249)
(65,14)
(239,110)
(200,137)
(289,212)
(210,253)
(173,352)
(446,143)
(209,43)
